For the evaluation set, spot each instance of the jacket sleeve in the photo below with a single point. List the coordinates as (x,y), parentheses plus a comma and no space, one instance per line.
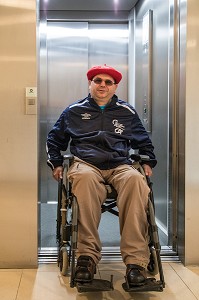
(57,141)
(140,141)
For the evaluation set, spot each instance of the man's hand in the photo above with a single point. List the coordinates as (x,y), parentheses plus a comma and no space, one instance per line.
(58,173)
(147,169)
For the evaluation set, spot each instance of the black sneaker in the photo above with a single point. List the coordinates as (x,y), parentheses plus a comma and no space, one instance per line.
(134,275)
(85,269)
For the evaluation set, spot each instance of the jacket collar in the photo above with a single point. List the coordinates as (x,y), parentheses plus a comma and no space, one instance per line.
(111,103)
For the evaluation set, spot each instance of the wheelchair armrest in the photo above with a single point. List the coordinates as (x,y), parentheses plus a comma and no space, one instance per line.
(67,161)
(139,158)
(68,157)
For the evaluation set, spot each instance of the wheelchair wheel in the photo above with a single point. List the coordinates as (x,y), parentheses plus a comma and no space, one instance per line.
(64,264)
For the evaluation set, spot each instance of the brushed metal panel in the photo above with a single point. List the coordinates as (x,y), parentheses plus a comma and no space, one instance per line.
(108,44)
(160,88)
(181,129)
(64,61)
(87,5)
(67,50)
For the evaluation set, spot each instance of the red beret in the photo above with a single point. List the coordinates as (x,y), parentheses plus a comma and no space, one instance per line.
(117,76)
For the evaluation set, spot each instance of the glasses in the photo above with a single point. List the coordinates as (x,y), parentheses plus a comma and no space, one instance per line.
(107,81)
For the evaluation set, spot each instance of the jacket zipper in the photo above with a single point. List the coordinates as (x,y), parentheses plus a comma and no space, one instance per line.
(102,120)
(102,128)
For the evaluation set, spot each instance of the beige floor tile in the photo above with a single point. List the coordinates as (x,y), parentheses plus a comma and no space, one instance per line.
(177,265)
(114,266)
(194,269)
(175,288)
(122,267)
(166,266)
(47,283)
(9,284)
(36,285)
(180,266)
(11,270)
(190,276)
(48,268)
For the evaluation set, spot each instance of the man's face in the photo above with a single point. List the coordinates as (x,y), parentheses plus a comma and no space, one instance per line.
(102,88)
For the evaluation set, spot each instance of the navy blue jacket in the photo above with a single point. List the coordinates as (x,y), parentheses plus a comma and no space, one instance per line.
(102,138)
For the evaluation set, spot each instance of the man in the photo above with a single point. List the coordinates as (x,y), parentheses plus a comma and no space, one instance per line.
(101,130)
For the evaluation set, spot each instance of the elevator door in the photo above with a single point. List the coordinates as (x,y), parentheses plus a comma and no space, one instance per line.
(69,49)
(161,49)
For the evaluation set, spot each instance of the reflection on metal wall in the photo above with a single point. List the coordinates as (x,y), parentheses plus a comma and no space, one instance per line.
(68,49)
(108,44)
(67,54)
(160,96)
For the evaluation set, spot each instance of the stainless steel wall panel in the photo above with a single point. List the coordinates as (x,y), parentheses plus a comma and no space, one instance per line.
(160,96)
(64,53)
(67,45)
(69,49)
(108,44)
(92,16)
(88,5)
(181,131)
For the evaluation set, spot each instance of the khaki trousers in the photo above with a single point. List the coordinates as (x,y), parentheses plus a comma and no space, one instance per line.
(132,201)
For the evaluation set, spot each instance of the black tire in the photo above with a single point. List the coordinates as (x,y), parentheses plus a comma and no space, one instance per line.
(63,261)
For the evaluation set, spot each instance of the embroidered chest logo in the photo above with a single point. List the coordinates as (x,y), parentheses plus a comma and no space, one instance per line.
(119,127)
(86,116)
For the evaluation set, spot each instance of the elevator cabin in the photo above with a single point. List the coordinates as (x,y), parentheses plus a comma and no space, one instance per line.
(135,38)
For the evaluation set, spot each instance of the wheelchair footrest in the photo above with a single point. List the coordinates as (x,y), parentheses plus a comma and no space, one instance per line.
(96,285)
(151,285)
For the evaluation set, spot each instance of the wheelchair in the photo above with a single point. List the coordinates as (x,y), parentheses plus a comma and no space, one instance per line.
(67,232)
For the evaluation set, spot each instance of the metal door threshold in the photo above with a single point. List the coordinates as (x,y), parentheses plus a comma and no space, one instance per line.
(109,255)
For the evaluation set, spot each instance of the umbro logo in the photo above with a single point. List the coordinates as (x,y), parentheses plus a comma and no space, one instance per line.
(86,116)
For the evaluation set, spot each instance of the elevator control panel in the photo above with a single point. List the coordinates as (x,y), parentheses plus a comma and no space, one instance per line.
(145,113)
(31,101)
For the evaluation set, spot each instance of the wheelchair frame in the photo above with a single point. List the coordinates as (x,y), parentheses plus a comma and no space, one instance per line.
(67,231)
